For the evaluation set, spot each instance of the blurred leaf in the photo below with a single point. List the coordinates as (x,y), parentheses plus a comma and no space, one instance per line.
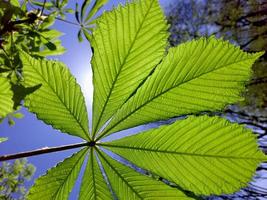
(87,35)
(3,140)
(69,10)
(50,34)
(6,103)
(2,70)
(85,5)
(24,5)
(15,3)
(96,7)
(46,52)
(77,12)
(13,178)
(48,5)
(11,122)
(18,115)
(86,30)
(49,21)
(91,22)
(64,3)
(14,78)
(46,43)
(51,46)
(57,3)
(80,38)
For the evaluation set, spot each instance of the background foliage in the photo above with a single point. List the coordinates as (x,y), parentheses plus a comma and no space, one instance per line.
(13,177)
(243,23)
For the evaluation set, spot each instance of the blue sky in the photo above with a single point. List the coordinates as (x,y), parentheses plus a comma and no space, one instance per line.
(30,133)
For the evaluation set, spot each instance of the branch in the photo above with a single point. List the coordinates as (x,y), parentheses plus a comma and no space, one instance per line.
(259,80)
(253,14)
(43,151)
(252,39)
(258,118)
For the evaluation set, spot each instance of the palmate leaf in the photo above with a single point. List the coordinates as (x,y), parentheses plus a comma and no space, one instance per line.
(86,21)
(124,181)
(135,85)
(128,43)
(6,94)
(206,155)
(201,75)
(59,101)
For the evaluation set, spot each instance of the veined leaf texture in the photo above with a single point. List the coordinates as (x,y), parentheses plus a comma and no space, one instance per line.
(206,155)
(138,80)
(128,43)
(58,181)
(59,101)
(200,75)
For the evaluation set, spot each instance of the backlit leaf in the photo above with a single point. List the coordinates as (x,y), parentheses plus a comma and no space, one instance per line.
(93,183)
(128,43)
(129,184)
(59,101)
(58,182)
(206,155)
(137,82)
(201,75)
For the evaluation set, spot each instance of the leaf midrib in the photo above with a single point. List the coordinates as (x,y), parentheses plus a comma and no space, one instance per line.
(93,172)
(179,153)
(162,93)
(122,65)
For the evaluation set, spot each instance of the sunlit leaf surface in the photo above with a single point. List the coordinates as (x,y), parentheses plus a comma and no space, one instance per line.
(59,100)
(137,81)
(128,43)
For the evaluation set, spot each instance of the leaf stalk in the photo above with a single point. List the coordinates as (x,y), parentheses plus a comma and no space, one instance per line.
(44,150)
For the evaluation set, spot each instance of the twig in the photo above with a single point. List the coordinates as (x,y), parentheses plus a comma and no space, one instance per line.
(43,151)
(69,22)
